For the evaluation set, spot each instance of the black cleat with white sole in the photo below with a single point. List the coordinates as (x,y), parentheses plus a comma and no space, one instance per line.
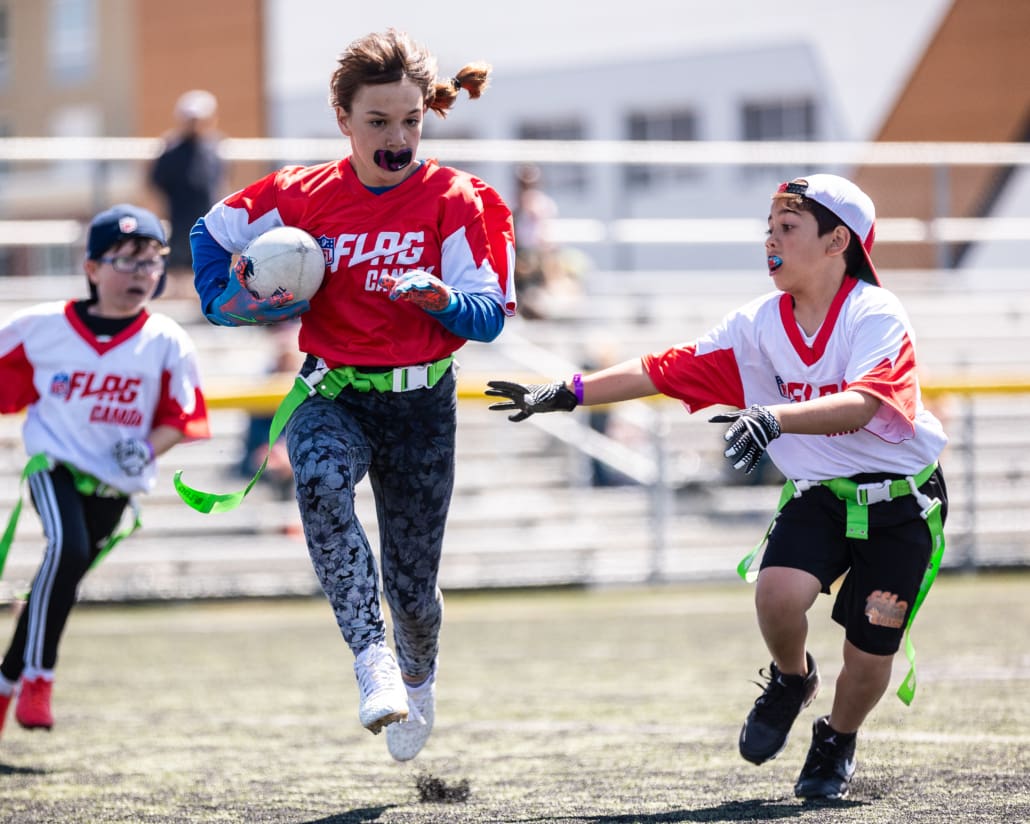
(766,727)
(830,764)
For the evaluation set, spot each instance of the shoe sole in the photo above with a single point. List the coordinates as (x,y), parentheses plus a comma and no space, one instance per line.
(831,797)
(406,754)
(405,750)
(760,759)
(376,726)
(25,726)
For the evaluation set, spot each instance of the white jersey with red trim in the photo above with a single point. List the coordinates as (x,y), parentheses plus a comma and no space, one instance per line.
(439,220)
(84,394)
(759,355)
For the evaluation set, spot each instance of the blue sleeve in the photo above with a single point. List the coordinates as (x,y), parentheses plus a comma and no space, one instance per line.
(473,317)
(210,265)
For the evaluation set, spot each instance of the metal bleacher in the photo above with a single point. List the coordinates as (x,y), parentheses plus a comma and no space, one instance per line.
(524,511)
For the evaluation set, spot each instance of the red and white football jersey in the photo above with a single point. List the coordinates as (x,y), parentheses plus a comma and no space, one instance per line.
(85,394)
(759,355)
(439,219)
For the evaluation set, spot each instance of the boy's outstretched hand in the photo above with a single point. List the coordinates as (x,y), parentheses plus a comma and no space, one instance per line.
(531,398)
(752,431)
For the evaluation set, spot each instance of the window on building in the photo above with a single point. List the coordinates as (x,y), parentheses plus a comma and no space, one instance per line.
(778,120)
(73,40)
(674,124)
(561,177)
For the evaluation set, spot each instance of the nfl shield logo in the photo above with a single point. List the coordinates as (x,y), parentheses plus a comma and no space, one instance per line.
(328,245)
(60,385)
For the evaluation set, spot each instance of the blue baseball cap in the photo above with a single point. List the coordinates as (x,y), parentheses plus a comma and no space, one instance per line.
(119,223)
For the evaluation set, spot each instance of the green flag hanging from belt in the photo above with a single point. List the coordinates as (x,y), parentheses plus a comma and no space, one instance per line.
(857,499)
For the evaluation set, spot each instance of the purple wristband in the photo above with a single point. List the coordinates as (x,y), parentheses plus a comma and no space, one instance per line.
(577,387)
(150,450)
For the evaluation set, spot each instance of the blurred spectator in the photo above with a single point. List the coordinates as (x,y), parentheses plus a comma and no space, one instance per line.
(189,176)
(542,280)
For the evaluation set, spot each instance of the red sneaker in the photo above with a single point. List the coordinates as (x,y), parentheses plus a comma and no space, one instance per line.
(33,708)
(5,702)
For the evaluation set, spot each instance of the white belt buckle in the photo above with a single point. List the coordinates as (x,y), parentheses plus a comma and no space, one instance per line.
(874,493)
(411,377)
(315,376)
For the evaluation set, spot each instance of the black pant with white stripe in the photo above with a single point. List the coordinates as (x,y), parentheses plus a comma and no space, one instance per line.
(76,527)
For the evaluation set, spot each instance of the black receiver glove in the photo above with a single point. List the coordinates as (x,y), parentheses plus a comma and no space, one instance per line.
(753,429)
(534,397)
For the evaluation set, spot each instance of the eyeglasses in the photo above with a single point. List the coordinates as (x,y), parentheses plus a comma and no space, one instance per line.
(129,265)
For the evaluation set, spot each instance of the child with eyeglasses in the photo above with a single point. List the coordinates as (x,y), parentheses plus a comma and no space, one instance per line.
(107,386)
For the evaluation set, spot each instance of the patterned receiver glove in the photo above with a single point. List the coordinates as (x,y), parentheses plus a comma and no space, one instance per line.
(536,397)
(133,455)
(426,291)
(751,433)
(238,307)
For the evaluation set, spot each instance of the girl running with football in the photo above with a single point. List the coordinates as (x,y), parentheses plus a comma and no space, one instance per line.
(418,259)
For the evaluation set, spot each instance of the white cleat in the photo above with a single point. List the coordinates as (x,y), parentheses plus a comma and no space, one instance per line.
(383,697)
(406,740)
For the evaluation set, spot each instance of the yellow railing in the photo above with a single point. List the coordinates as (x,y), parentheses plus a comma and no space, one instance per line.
(651,471)
(265,396)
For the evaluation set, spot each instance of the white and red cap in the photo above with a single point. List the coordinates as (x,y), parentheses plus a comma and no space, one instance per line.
(846,201)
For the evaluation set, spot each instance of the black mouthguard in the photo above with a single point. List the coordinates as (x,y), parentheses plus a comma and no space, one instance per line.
(391,161)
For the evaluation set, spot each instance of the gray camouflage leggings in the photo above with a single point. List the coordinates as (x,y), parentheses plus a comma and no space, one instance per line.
(404,442)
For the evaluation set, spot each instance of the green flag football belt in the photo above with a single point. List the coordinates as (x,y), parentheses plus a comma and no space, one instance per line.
(857,499)
(85,484)
(328,383)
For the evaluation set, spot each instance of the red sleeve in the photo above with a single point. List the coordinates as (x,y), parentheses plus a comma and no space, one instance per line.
(16,375)
(697,380)
(193,425)
(500,240)
(896,385)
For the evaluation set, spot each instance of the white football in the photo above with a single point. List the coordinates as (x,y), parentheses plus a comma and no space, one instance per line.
(284,260)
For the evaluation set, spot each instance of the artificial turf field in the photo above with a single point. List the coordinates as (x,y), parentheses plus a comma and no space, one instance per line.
(553,706)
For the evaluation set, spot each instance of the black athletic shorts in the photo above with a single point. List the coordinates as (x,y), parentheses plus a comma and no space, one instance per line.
(883,572)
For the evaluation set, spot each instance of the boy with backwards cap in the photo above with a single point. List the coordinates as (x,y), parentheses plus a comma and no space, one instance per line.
(823,374)
(107,387)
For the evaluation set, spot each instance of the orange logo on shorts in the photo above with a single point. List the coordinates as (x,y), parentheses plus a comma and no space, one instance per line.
(885,610)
